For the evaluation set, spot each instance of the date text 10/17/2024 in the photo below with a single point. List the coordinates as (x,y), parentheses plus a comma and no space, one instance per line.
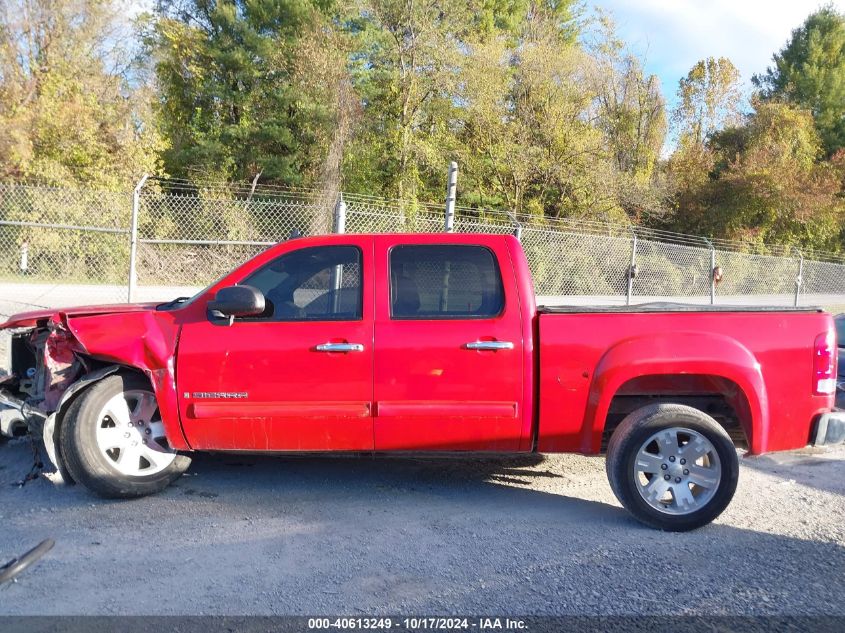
(419,623)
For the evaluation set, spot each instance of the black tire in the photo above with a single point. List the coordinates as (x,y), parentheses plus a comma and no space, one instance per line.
(82,457)
(636,429)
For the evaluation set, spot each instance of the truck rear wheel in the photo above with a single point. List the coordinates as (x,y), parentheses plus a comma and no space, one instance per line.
(672,466)
(113,442)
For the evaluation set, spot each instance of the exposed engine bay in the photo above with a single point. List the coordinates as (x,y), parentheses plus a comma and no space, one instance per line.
(53,358)
(44,364)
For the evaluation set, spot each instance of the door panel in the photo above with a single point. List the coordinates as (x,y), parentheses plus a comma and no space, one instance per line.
(270,384)
(432,390)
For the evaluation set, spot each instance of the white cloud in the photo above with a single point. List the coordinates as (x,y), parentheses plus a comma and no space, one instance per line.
(674,34)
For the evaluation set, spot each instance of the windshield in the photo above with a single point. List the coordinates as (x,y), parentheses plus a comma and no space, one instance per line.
(180,302)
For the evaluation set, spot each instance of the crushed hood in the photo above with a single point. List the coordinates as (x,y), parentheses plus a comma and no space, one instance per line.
(29,319)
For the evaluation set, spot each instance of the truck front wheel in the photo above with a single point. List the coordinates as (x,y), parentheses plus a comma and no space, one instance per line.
(673,467)
(113,442)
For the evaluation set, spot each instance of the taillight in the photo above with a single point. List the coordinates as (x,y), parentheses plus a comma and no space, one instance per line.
(824,364)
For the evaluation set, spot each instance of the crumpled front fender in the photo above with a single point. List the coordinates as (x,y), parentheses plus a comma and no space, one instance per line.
(144,340)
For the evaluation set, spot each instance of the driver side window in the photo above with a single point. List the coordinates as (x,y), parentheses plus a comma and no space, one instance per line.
(320,283)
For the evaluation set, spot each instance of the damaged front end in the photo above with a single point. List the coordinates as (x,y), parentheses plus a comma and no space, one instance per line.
(56,354)
(45,364)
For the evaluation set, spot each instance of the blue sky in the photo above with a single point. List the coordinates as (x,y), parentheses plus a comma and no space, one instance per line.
(672,35)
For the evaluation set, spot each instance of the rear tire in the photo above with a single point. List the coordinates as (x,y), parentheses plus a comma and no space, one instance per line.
(112,440)
(672,467)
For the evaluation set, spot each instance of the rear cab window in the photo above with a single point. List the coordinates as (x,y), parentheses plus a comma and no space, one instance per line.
(445,282)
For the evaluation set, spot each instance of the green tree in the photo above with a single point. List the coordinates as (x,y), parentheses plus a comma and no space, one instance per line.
(527,138)
(631,113)
(810,73)
(403,69)
(329,107)
(413,64)
(228,102)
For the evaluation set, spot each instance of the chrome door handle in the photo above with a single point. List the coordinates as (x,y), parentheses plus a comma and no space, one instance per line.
(489,345)
(340,347)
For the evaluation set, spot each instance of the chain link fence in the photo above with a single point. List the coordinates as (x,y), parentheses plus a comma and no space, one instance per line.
(63,246)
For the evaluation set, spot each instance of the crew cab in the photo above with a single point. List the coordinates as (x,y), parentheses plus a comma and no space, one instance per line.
(422,342)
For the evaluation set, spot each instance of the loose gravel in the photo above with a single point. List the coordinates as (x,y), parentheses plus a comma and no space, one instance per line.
(419,536)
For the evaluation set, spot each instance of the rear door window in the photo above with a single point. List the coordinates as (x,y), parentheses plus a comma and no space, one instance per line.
(444,282)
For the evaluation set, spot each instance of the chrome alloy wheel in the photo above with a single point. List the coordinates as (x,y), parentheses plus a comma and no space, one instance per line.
(677,471)
(130,434)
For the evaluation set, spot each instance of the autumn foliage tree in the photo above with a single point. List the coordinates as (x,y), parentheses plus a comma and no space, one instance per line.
(763,182)
(546,109)
(72,108)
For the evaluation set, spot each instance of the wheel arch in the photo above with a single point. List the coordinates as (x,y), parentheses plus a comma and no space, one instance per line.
(53,424)
(719,397)
(680,363)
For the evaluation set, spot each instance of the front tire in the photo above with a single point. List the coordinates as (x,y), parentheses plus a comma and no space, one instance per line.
(672,467)
(112,440)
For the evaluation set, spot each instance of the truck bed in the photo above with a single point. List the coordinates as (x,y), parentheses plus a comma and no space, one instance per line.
(670,307)
(754,364)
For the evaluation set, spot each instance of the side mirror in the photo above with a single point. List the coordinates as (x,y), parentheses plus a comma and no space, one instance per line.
(237,301)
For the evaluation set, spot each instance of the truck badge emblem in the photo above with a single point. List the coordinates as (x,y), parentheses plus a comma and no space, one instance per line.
(220,394)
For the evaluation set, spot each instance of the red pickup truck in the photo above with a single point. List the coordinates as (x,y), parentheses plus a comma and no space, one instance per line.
(423,342)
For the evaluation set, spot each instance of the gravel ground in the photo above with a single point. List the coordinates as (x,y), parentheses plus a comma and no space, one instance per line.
(410,536)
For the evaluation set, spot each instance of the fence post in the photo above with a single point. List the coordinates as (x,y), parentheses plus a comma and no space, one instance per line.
(340,215)
(712,275)
(713,279)
(24,265)
(450,197)
(517,225)
(800,278)
(133,236)
(632,270)
(337,272)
